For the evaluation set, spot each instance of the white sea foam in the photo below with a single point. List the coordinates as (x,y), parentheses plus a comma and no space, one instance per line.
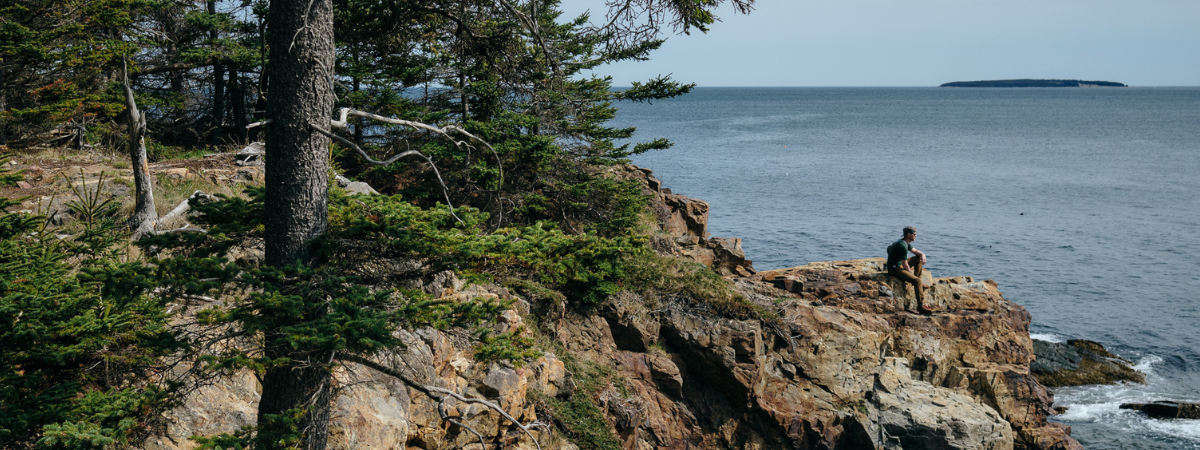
(1185,429)
(1102,404)
(1088,412)
(1145,365)
(1048,337)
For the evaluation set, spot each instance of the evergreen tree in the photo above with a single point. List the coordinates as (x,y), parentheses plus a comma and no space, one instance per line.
(508,72)
(75,358)
(57,58)
(300,35)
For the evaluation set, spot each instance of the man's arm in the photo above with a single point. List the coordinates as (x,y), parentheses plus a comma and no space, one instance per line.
(904,262)
(918,253)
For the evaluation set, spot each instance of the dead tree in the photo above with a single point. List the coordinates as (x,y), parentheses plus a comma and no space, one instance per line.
(144,215)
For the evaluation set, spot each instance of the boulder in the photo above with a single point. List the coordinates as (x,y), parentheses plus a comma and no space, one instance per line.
(360,188)
(728,257)
(176,174)
(915,414)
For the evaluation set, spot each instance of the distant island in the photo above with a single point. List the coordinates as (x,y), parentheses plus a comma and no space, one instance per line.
(1034,83)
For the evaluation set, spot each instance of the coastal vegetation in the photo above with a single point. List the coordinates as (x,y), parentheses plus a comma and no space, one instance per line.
(1033,83)
(493,103)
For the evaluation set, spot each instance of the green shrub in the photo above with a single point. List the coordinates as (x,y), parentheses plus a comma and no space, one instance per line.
(587,266)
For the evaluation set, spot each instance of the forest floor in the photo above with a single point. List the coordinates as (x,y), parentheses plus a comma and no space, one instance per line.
(55,177)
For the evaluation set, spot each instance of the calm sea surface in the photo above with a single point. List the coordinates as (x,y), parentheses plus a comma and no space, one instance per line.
(1083,204)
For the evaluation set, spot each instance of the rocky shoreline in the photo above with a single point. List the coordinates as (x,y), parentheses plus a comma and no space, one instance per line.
(833,360)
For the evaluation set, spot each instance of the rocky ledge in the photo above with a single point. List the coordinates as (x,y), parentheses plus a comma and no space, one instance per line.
(831,359)
(1080,362)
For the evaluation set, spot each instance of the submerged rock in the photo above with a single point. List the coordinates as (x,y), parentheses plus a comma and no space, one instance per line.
(1080,362)
(1167,409)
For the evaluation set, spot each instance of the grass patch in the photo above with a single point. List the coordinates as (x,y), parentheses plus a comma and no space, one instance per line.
(580,416)
(657,278)
(169,192)
(156,152)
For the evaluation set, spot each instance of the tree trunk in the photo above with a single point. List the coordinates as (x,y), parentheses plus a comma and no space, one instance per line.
(238,96)
(358,124)
(300,70)
(144,214)
(3,106)
(290,387)
(300,36)
(218,105)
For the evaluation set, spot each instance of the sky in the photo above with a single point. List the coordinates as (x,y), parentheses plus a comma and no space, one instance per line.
(929,42)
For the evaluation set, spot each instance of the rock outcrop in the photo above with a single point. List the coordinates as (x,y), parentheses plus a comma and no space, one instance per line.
(830,359)
(1080,362)
(841,366)
(683,224)
(377,411)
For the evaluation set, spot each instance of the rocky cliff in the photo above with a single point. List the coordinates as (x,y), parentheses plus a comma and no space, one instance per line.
(829,359)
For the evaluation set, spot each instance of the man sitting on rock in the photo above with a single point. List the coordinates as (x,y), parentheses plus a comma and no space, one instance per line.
(907,269)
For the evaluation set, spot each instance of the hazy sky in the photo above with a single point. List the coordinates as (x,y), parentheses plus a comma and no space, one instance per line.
(929,42)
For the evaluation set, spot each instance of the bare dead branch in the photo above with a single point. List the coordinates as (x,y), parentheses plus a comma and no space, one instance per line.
(183,229)
(442,412)
(184,206)
(444,132)
(361,152)
(179,66)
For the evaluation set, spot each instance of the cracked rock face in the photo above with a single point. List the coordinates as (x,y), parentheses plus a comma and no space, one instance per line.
(915,414)
(838,363)
(843,365)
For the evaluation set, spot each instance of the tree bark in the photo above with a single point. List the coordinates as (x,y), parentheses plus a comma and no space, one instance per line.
(300,37)
(218,105)
(290,387)
(358,126)
(3,106)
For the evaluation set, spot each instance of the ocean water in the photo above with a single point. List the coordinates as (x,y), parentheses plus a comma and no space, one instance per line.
(1083,205)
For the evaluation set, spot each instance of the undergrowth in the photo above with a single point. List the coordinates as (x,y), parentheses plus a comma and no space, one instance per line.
(580,415)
